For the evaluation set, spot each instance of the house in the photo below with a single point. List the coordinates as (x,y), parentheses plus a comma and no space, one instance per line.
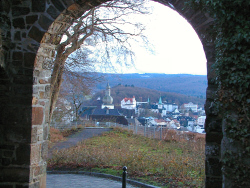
(133,121)
(170,107)
(86,111)
(128,103)
(108,115)
(174,124)
(191,106)
(201,121)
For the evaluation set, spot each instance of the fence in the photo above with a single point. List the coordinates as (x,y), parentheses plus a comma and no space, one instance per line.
(157,132)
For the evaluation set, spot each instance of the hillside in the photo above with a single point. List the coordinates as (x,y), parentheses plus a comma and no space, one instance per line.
(119,92)
(190,85)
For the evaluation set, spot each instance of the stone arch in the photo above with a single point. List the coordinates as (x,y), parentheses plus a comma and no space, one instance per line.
(35,28)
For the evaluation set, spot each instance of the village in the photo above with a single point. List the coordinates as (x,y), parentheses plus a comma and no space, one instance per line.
(187,117)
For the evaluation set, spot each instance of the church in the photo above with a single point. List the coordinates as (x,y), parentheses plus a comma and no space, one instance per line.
(108,113)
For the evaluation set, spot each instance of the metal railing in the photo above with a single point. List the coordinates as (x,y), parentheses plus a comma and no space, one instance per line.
(157,132)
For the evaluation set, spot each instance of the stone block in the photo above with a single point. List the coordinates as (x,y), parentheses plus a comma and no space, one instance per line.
(213,167)
(36,34)
(44,81)
(6,161)
(44,152)
(34,135)
(211,92)
(37,115)
(5,6)
(26,100)
(35,81)
(213,182)
(214,137)
(213,125)
(29,59)
(22,90)
(22,155)
(47,64)
(26,185)
(68,2)
(38,5)
(22,79)
(35,89)
(20,11)
(212,150)
(34,101)
(5,185)
(17,36)
(44,22)
(35,154)
(7,147)
(36,73)
(42,103)
(8,154)
(53,12)
(40,133)
(16,174)
(211,108)
(19,23)
(41,95)
(17,56)
(45,132)
(35,185)
(47,91)
(17,133)
(31,19)
(28,71)
(58,5)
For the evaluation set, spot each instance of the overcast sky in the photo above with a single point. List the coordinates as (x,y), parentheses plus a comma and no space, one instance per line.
(177,48)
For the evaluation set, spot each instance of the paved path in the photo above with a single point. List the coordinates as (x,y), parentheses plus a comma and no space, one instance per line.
(73,139)
(80,181)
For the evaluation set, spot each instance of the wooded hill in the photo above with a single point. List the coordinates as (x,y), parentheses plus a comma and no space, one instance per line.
(190,85)
(119,92)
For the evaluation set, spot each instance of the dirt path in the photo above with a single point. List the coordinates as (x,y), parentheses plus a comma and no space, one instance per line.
(75,138)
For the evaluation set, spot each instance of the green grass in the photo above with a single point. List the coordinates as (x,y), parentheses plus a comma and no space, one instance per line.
(165,163)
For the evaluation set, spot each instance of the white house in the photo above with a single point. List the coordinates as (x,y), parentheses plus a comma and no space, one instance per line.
(170,107)
(128,103)
(201,121)
(192,106)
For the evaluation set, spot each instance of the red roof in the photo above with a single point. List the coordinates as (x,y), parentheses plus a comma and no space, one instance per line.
(130,99)
(160,121)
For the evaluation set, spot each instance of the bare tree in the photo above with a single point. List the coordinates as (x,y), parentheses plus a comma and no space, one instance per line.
(108,24)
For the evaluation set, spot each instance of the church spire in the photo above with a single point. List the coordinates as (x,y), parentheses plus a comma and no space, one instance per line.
(160,101)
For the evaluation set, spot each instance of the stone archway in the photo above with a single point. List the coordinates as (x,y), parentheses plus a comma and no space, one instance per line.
(31,31)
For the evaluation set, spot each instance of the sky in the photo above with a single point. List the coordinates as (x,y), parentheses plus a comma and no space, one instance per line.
(177,48)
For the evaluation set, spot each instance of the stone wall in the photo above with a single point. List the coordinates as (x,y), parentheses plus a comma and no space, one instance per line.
(30,31)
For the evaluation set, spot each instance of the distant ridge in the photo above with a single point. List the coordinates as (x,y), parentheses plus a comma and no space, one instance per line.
(119,92)
(187,84)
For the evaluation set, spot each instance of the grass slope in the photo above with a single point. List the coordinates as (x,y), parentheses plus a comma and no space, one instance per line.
(177,162)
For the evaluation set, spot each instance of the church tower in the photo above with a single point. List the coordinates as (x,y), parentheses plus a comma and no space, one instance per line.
(107,99)
(160,104)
